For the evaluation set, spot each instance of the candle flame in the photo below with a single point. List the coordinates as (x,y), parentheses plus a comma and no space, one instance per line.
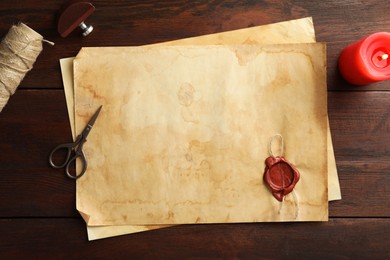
(384,56)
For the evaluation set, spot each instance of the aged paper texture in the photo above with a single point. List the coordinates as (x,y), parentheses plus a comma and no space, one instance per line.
(300,30)
(184,131)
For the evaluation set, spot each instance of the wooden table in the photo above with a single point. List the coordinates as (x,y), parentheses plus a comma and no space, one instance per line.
(38,218)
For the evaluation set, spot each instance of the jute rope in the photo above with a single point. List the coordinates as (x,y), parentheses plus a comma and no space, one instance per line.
(18,52)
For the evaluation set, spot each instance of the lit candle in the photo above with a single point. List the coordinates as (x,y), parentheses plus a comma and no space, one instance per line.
(366,61)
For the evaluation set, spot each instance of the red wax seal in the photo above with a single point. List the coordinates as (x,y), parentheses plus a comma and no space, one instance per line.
(280,176)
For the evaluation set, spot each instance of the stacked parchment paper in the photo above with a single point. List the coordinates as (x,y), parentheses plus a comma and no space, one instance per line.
(185,129)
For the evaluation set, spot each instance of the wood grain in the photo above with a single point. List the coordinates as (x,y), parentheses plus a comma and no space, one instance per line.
(66,239)
(32,126)
(37,203)
(127,23)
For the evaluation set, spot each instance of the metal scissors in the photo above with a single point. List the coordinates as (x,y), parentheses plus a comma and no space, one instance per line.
(77,148)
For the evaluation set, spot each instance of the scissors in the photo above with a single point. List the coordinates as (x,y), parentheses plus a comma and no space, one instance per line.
(77,148)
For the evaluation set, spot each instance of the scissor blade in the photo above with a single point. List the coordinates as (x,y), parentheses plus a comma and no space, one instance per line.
(91,123)
(93,119)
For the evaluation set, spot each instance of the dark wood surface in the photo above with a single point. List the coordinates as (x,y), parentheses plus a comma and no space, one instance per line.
(38,218)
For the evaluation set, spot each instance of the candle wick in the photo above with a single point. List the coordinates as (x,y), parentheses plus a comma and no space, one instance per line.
(384,57)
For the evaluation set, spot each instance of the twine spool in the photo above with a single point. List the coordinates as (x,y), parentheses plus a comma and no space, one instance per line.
(18,51)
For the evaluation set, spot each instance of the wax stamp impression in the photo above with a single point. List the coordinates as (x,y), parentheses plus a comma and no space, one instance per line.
(279,174)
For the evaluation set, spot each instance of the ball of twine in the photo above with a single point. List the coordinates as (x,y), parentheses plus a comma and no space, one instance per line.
(18,51)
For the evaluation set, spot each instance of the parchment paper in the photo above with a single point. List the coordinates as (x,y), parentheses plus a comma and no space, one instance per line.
(184,132)
(291,31)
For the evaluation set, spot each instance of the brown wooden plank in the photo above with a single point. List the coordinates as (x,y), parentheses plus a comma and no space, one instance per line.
(31,124)
(365,190)
(360,126)
(127,23)
(66,239)
(36,120)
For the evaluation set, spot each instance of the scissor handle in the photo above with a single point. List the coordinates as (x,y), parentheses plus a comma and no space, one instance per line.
(69,147)
(79,154)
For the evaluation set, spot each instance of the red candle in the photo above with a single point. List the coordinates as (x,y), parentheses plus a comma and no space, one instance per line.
(366,61)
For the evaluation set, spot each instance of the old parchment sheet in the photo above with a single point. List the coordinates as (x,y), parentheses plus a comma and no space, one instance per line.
(184,132)
(291,31)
